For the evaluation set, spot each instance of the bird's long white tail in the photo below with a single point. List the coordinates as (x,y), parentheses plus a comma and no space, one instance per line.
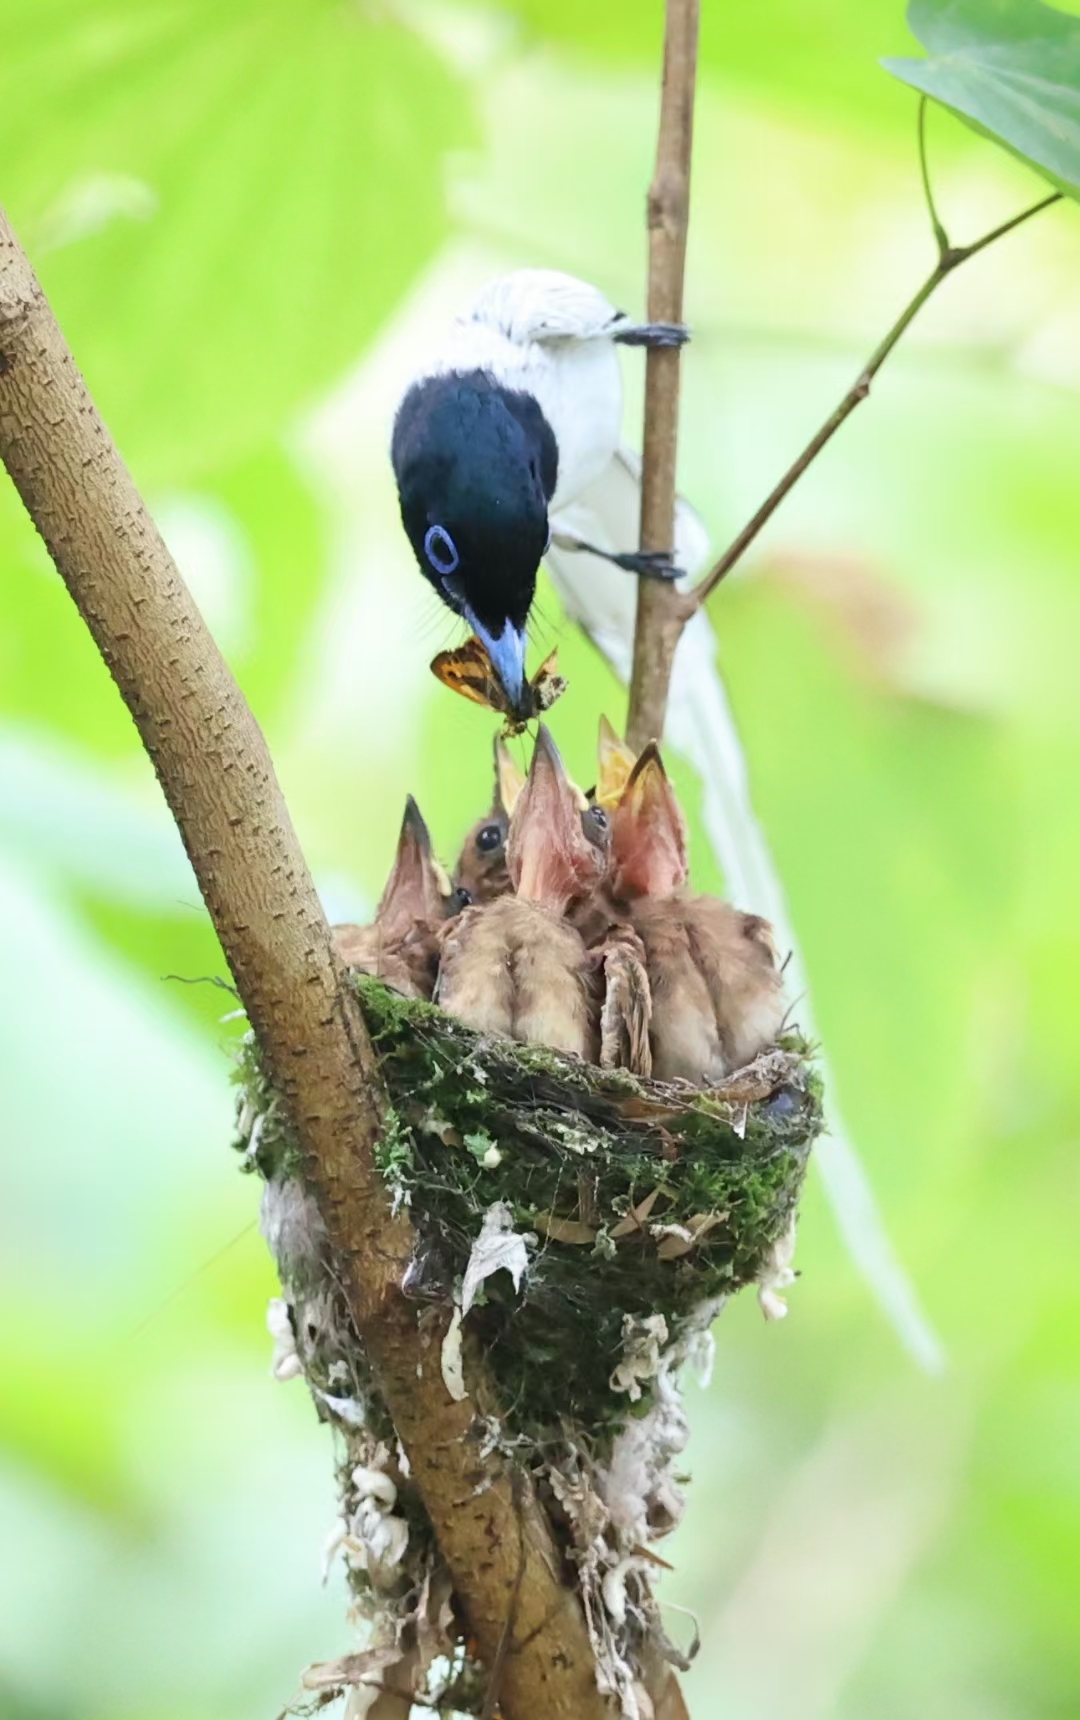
(701,727)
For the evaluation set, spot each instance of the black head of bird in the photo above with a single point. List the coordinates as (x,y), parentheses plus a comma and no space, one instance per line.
(476,465)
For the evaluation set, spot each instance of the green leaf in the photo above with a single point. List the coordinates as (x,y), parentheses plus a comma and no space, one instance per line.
(224,200)
(1011,70)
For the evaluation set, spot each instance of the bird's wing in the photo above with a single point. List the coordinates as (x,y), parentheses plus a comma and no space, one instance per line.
(542,305)
(684,1037)
(736,957)
(627,1006)
(700,725)
(475,982)
(602,598)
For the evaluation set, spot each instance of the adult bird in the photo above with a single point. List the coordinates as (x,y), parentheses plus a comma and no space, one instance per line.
(518,415)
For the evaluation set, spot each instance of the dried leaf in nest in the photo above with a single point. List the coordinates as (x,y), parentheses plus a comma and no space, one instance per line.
(469,671)
(367,1666)
(679,1239)
(570,1230)
(634,1222)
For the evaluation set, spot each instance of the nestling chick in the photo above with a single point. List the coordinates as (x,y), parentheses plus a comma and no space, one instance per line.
(717,994)
(515,966)
(401,945)
(614,763)
(481,870)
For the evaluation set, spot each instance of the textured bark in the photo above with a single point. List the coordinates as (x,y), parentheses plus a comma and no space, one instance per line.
(662,611)
(216,774)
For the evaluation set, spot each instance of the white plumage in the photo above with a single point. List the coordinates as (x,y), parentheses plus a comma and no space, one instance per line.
(551,336)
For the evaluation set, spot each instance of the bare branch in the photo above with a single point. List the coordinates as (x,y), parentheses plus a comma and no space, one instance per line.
(216,773)
(661,610)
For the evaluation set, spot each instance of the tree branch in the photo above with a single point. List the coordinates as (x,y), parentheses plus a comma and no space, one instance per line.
(216,774)
(661,609)
(949,258)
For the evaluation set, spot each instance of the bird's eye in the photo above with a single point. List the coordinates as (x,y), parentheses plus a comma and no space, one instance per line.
(594,822)
(489,838)
(441,550)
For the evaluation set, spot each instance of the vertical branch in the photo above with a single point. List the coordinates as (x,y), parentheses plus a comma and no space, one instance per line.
(661,610)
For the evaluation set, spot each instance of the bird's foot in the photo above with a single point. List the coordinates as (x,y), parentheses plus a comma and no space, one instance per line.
(653,334)
(646,563)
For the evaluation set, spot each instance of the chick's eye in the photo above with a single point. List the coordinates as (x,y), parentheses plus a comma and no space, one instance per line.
(441,550)
(595,825)
(489,838)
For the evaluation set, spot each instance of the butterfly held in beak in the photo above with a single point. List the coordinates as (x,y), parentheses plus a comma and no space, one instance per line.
(469,671)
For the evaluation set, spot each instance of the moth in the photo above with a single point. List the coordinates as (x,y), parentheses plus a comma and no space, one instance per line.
(469,671)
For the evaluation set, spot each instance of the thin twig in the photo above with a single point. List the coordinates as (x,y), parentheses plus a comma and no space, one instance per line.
(996,233)
(660,608)
(949,260)
(940,235)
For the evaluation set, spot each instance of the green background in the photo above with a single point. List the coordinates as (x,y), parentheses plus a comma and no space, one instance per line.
(247,214)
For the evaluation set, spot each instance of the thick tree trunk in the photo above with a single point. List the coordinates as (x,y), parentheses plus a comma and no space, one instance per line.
(216,774)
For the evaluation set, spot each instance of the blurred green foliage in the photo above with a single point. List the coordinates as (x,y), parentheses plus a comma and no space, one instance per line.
(247,214)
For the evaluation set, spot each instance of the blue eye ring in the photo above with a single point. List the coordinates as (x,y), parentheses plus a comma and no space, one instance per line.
(441,551)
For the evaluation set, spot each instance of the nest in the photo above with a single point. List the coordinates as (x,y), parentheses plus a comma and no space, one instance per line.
(587,1225)
(645,1200)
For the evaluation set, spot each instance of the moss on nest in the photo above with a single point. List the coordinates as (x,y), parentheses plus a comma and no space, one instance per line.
(644,1199)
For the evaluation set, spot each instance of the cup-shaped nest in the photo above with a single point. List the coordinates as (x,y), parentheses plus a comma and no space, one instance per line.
(635,1198)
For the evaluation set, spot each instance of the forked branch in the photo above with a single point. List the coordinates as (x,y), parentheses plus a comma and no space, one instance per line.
(663,613)
(950,258)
